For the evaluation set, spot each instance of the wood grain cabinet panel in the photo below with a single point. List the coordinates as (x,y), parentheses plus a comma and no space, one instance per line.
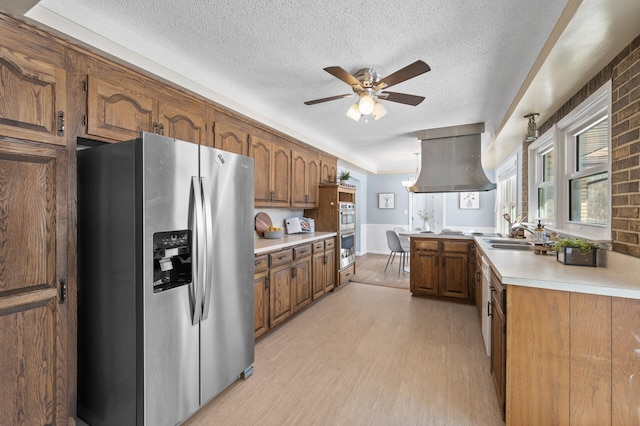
(625,354)
(280,303)
(442,268)
(272,171)
(301,283)
(261,303)
(182,119)
(305,179)
(328,169)
(230,137)
(32,94)
(118,111)
(33,319)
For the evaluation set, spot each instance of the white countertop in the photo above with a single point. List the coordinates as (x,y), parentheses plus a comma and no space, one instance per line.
(264,245)
(524,268)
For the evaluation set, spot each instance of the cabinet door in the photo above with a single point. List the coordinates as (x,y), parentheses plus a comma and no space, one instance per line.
(312,181)
(330,270)
(182,119)
(281,175)
(32,94)
(455,275)
(498,352)
(231,138)
(298,179)
(425,271)
(33,318)
(301,285)
(318,269)
(280,303)
(328,170)
(116,111)
(260,151)
(261,304)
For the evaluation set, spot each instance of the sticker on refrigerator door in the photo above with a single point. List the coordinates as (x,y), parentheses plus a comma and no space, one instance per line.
(171,260)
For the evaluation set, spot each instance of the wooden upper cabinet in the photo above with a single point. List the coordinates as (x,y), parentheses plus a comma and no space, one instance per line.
(182,119)
(118,111)
(33,317)
(328,169)
(32,96)
(230,136)
(305,179)
(272,167)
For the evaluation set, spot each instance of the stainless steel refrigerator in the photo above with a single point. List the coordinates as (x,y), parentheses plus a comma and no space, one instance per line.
(165,279)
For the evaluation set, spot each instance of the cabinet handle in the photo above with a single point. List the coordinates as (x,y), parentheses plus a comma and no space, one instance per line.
(161,129)
(63,291)
(301,252)
(282,256)
(442,260)
(294,272)
(489,313)
(267,281)
(325,260)
(60,123)
(256,263)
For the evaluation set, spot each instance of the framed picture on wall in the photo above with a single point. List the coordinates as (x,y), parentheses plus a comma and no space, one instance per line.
(386,200)
(469,200)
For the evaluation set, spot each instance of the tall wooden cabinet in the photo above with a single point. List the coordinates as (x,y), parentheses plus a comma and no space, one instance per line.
(33,285)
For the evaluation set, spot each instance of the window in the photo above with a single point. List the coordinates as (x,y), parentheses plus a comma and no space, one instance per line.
(542,180)
(569,169)
(507,192)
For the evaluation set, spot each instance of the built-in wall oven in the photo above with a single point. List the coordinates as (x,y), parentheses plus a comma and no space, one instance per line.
(347,241)
(347,215)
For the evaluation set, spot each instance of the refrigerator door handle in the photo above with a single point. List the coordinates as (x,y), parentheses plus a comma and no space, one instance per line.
(207,285)
(196,224)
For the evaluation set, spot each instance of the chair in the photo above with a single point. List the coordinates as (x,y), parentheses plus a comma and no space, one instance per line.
(393,241)
(404,241)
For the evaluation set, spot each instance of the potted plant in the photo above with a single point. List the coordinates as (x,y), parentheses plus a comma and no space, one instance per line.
(576,251)
(344,176)
(427,216)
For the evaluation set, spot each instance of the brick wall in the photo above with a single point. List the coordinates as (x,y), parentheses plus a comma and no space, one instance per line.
(624,71)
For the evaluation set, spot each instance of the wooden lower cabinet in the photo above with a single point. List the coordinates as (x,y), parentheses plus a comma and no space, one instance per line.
(442,268)
(324,267)
(285,282)
(498,342)
(571,358)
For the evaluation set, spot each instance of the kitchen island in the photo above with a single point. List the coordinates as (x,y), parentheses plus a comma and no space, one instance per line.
(571,337)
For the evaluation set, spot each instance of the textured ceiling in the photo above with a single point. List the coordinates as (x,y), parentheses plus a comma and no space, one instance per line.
(267,58)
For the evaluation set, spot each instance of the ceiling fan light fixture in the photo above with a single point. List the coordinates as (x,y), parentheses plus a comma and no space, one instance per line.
(379,111)
(354,112)
(366,104)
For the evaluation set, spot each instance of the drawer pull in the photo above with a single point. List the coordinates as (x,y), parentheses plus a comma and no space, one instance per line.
(282,256)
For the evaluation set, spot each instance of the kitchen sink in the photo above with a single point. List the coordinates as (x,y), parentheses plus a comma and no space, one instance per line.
(509,242)
(508,246)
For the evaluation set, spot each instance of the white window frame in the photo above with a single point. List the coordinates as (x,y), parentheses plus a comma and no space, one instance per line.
(562,138)
(543,145)
(506,170)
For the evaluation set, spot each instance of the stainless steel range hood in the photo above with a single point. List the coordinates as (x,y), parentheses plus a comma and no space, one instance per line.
(451,160)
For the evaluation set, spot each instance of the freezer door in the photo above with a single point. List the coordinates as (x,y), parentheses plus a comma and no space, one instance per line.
(226,340)
(170,352)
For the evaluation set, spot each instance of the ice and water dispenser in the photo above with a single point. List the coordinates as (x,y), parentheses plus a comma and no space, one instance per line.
(171,260)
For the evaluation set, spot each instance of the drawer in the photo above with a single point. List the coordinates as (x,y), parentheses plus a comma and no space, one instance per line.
(425,244)
(281,257)
(302,251)
(498,291)
(456,246)
(318,246)
(261,263)
(329,243)
(347,273)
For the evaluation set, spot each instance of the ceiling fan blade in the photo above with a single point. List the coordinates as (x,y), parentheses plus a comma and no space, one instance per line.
(410,71)
(330,98)
(343,75)
(401,98)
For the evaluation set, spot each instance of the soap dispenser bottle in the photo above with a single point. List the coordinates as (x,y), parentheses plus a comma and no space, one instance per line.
(539,233)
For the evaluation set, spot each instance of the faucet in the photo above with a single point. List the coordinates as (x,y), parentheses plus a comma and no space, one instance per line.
(516,228)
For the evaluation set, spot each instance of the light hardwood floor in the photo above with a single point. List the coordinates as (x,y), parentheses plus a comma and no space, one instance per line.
(366,355)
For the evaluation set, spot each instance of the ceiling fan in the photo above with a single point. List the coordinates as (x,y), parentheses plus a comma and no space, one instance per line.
(368,85)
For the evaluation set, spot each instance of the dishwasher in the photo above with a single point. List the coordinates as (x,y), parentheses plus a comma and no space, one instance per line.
(486,301)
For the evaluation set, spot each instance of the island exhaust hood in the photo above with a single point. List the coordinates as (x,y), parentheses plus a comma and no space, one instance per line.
(451,160)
